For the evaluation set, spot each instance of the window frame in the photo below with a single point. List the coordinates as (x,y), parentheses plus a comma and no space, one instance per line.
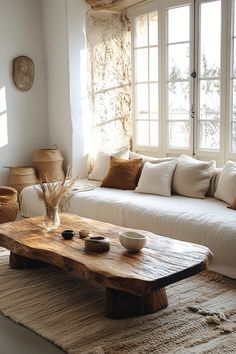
(227,16)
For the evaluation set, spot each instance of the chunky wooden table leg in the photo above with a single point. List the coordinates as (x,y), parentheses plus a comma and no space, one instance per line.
(20,262)
(120,304)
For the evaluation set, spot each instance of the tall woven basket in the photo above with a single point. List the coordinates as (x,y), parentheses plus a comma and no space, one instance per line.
(21,177)
(48,164)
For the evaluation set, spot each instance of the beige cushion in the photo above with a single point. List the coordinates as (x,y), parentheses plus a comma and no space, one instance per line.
(102,163)
(192,177)
(226,188)
(214,181)
(145,158)
(122,173)
(156,178)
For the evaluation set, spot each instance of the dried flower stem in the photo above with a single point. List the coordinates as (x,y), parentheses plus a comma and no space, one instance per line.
(52,192)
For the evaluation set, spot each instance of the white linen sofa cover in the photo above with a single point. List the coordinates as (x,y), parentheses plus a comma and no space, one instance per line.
(204,221)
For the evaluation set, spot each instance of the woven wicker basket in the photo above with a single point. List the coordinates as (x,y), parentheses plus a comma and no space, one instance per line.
(8,194)
(8,212)
(8,204)
(21,177)
(48,164)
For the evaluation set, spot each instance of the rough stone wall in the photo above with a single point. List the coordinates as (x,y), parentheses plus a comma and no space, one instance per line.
(109,79)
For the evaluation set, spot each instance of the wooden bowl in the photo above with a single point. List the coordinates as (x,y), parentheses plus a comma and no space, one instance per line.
(96,243)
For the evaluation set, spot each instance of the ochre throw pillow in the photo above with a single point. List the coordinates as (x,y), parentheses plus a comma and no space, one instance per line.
(122,173)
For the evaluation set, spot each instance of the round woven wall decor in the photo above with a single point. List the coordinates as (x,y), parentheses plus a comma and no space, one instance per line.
(23,73)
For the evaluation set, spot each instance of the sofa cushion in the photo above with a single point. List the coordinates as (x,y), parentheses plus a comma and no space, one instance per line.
(204,221)
(102,163)
(192,177)
(226,188)
(156,178)
(122,174)
(145,158)
(214,181)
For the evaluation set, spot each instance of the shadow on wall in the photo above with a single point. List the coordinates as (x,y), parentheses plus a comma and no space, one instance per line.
(3,118)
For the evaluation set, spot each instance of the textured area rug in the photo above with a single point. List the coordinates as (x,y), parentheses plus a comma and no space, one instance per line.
(200,318)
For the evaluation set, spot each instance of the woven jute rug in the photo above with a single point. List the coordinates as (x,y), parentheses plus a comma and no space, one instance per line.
(200,318)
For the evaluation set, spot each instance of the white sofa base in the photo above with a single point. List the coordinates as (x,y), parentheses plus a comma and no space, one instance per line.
(205,221)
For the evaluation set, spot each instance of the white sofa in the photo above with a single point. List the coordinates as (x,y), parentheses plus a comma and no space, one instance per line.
(205,221)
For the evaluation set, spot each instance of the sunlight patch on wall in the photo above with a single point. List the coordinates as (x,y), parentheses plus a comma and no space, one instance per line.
(3,118)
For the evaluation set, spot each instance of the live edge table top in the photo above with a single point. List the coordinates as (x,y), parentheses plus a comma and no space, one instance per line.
(163,261)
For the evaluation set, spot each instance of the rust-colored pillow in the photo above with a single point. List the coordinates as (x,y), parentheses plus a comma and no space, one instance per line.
(122,174)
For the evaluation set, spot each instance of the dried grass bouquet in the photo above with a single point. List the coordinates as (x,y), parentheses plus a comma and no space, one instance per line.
(51,193)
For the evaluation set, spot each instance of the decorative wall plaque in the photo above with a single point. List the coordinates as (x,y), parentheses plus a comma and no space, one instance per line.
(23,73)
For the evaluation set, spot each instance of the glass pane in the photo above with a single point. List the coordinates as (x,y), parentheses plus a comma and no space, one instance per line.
(209,135)
(234,19)
(143,117)
(178,24)
(142,133)
(178,97)
(233,140)
(234,117)
(153,64)
(141,65)
(141,31)
(178,134)
(234,97)
(179,116)
(234,58)
(178,61)
(209,99)
(154,133)
(153,98)
(153,28)
(210,39)
(141,102)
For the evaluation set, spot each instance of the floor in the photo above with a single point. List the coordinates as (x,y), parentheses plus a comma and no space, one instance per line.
(16,339)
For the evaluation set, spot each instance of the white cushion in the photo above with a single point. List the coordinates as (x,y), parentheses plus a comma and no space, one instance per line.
(156,178)
(192,177)
(226,188)
(102,163)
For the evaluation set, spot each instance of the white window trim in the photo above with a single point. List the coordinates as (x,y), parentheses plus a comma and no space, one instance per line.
(224,153)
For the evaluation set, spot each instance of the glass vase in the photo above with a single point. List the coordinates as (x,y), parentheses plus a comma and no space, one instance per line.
(51,220)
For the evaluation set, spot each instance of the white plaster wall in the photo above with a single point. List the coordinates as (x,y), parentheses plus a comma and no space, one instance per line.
(25,112)
(57,62)
(63,22)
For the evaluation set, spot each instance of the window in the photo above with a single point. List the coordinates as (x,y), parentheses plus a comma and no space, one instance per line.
(178,77)
(209,73)
(233,85)
(192,45)
(146,78)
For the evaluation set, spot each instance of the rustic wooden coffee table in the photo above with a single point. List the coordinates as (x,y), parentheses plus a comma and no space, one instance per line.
(134,282)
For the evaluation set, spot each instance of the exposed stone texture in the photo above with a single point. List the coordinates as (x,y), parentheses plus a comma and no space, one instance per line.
(109,81)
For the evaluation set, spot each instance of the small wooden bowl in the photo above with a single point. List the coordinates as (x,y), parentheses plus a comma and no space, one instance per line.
(97,244)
